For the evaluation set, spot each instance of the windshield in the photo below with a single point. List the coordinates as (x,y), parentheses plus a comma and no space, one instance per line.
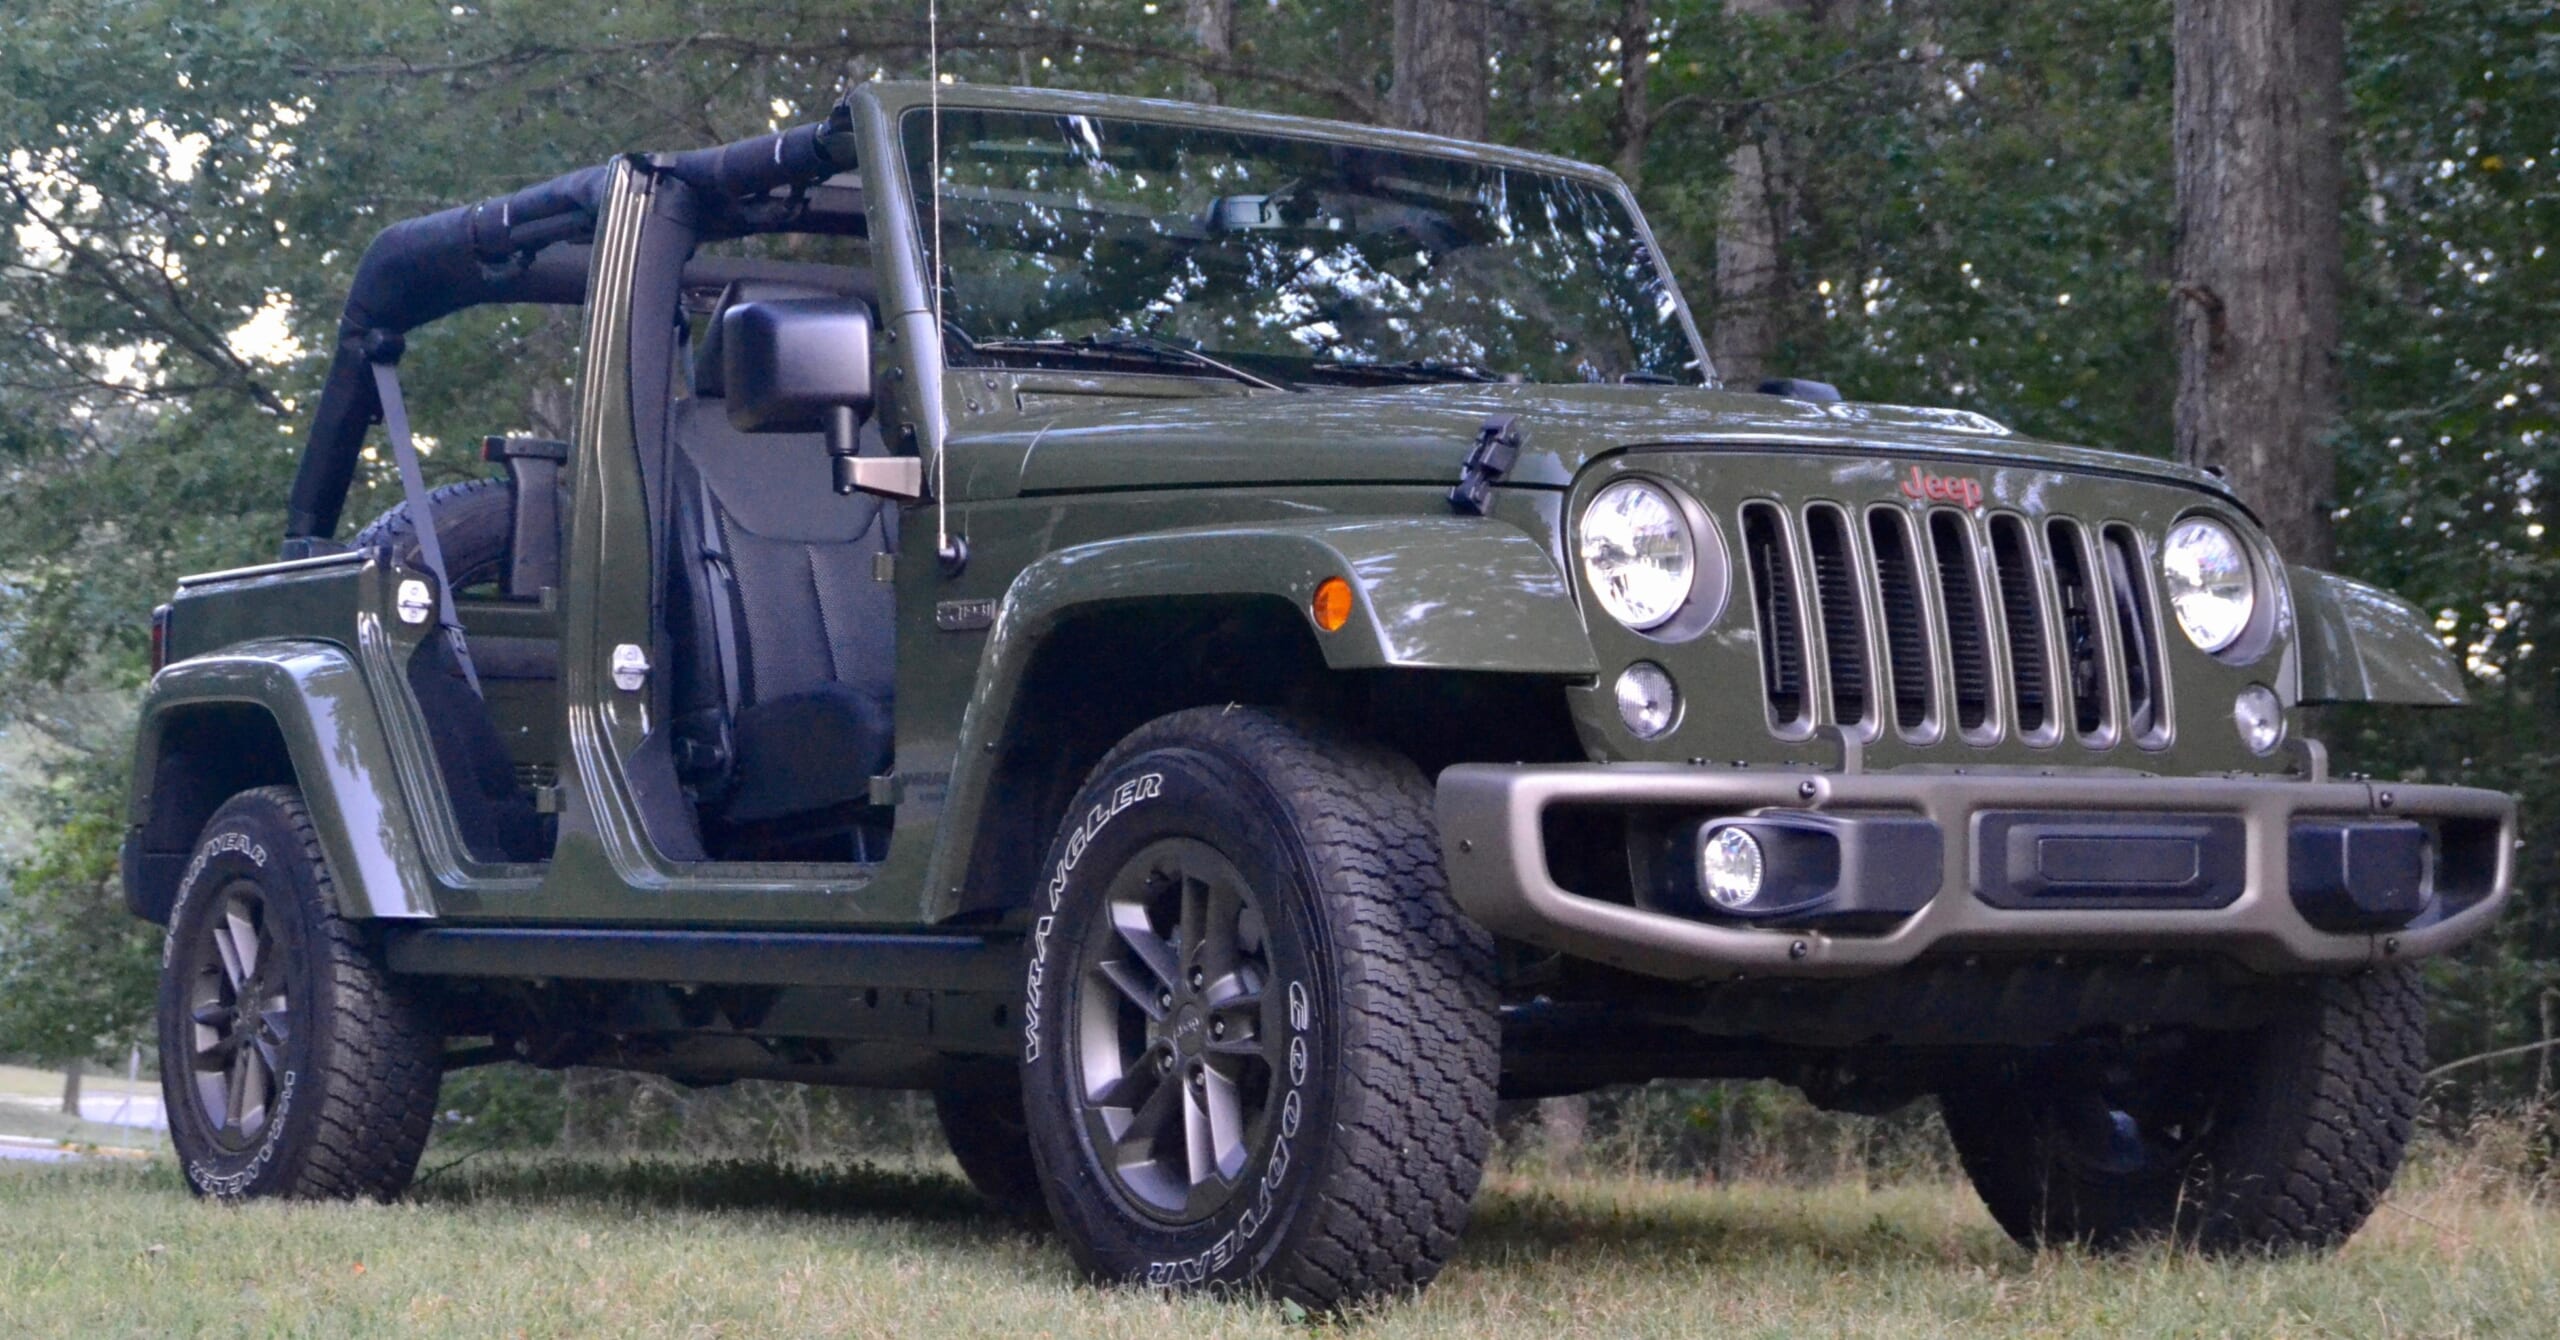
(1301,260)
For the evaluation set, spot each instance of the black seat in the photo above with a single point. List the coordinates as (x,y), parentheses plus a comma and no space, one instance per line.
(783,627)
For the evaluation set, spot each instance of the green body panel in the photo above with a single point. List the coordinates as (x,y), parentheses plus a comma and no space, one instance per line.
(1021,433)
(1431,593)
(2362,644)
(325,711)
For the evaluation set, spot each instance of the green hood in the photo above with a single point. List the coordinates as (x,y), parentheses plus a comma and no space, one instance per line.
(1421,434)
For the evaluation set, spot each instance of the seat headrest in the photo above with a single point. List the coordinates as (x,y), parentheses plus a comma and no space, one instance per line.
(708,383)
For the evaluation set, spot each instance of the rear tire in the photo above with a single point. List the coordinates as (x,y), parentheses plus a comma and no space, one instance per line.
(291,1063)
(980,1109)
(2280,1139)
(1260,1040)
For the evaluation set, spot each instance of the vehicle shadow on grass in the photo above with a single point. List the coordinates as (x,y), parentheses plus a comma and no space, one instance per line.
(1635,1225)
(851,1190)
(1736,1231)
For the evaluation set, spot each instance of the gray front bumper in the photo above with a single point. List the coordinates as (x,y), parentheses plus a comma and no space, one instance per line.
(1492,838)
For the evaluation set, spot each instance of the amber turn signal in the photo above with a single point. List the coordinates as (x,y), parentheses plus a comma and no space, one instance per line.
(1332,604)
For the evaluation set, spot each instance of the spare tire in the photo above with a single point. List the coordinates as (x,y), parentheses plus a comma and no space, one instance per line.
(475,519)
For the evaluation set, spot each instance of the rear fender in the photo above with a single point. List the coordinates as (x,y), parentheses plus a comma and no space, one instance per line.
(1460,593)
(308,700)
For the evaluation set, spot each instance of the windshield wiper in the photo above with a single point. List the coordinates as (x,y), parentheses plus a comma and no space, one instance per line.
(1126,342)
(1419,367)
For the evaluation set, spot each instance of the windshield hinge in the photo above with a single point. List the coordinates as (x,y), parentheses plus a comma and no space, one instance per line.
(1497,450)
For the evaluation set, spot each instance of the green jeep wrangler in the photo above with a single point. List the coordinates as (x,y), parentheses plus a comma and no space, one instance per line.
(1222,646)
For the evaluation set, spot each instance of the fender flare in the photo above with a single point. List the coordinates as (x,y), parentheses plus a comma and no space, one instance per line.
(2362,644)
(1457,593)
(314,694)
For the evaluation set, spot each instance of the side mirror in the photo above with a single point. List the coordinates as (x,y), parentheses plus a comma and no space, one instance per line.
(801,365)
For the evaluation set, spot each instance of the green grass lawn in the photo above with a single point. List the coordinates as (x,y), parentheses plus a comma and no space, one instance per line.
(554,1248)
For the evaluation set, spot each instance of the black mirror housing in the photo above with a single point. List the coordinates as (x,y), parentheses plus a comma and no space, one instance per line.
(800,365)
(787,362)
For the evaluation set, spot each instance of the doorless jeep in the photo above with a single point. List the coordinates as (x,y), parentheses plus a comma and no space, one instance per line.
(1221,645)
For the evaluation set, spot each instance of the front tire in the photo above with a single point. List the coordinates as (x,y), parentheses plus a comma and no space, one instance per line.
(2275,1140)
(1260,1040)
(291,1063)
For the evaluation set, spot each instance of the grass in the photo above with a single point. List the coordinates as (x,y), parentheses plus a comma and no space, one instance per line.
(563,1248)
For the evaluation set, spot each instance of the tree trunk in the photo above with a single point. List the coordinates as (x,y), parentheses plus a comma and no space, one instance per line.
(1439,76)
(71,1090)
(1635,83)
(1749,223)
(2260,263)
(1213,26)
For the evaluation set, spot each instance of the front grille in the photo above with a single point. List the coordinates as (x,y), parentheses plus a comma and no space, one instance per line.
(1968,636)
(1774,602)
(1941,624)
(1844,631)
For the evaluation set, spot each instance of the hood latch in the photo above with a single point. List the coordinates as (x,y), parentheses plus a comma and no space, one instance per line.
(1497,450)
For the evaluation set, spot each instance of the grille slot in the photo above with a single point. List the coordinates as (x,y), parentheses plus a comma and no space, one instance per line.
(2137,637)
(1906,634)
(1968,635)
(2022,620)
(1775,603)
(2084,660)
(1844,625)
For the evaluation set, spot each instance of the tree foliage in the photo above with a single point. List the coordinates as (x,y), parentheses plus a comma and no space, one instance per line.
(1978,211)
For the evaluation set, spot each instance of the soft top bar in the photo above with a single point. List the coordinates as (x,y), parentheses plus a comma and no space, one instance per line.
(504,250)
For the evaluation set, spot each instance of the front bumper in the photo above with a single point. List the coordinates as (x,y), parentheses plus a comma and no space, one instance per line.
(1493,824)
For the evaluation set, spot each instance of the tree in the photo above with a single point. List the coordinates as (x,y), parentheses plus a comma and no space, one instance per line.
(1440,78)
(2260,269)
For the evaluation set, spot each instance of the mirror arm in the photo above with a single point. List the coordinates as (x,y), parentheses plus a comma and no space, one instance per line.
(886,476)
(844,427)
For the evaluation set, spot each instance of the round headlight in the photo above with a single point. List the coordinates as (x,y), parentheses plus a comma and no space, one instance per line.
(2212,588)
(1638,553)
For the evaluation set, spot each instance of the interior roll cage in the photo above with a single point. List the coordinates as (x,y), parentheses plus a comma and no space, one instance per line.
(534,246)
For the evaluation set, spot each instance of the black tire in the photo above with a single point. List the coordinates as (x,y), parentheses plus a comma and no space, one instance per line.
(328,1093)
(2276,1140)
(980,1109)
(1330,1056)
(475,521)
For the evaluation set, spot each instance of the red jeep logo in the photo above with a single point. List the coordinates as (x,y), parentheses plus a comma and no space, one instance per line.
(1920,487)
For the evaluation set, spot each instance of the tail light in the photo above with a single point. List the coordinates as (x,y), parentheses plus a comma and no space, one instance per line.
(159,638)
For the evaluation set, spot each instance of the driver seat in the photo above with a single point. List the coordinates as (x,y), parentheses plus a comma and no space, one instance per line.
(784,627)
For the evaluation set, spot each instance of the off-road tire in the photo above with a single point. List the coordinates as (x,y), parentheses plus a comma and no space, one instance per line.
(2309,1115)
(980,1109)
(1355,1173)
(475,521)
(356,1063)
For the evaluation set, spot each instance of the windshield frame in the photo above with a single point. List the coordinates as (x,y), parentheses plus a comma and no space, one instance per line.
(898,102)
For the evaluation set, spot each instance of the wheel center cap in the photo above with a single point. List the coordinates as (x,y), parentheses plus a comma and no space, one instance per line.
(1190,1030)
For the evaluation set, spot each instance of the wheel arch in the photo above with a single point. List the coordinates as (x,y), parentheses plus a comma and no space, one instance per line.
(264,714)
(1462,637)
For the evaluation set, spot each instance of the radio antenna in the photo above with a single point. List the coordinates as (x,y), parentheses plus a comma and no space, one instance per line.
(933,157)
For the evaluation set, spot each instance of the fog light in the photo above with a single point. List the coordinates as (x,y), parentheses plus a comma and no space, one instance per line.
(2260,719)
(1730,867)
(1647,702)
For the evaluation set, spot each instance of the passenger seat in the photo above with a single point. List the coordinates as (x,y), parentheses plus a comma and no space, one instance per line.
(784,630)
